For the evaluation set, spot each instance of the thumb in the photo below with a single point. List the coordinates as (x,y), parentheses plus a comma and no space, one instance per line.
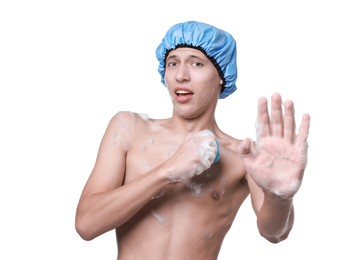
(245,148)
(247,153)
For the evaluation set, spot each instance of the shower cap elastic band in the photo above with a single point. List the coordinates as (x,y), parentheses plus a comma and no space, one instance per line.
(218,45)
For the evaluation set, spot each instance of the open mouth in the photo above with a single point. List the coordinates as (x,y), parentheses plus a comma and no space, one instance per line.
(183,93)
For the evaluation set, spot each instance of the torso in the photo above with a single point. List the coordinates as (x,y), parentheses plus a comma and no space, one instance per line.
(184,221)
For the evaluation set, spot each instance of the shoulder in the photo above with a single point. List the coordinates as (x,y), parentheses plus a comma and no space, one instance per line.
(229,148)
(125,126)
(131,124)
(128,120)
(231,159)
(228,142)
(232,143)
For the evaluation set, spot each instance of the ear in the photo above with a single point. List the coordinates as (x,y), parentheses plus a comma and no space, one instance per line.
(221,82)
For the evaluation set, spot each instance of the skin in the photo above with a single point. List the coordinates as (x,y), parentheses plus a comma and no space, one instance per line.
(155,184)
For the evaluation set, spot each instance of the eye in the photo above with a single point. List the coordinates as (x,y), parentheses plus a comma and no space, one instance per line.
(197,64)
(171,64)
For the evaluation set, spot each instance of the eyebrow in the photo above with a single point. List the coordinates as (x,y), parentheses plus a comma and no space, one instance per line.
(190,56)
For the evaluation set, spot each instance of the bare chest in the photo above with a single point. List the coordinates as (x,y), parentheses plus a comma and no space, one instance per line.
(147,152)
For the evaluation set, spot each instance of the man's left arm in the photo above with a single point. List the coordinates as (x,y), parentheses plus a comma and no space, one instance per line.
(275,166)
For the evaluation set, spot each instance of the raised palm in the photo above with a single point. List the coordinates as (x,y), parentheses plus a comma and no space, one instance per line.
(278,159)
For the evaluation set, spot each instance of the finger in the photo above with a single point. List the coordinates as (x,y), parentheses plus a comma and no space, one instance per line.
(246,147)
(246,151)
(304,130)
(289,122)
(263,122)
(276,115)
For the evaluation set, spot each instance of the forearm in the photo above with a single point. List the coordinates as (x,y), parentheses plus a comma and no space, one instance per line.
(275,218)
(100,212)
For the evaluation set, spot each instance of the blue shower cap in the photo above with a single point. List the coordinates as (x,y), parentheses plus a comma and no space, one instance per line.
(218,45)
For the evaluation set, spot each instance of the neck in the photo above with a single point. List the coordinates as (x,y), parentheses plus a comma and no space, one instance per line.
(188,125)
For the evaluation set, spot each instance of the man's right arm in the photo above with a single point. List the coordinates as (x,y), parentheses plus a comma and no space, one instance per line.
(105,203)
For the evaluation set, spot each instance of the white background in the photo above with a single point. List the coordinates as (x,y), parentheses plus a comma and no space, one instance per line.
(66,67)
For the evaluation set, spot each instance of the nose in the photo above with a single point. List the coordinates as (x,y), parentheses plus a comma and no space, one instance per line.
(182,73)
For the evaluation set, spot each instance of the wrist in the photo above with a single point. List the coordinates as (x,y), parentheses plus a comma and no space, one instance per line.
(277,197)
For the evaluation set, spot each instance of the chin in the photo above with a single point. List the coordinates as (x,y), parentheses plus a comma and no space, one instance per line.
(185,114)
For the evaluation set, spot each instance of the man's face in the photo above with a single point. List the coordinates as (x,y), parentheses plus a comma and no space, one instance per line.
(192,81)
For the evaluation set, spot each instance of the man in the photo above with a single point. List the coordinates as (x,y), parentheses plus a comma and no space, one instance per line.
(171,188)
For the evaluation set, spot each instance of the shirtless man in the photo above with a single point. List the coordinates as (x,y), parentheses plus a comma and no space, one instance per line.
(171,188)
